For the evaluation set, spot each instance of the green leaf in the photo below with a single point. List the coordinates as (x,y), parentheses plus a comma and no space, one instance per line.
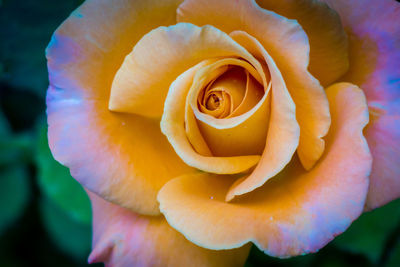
(368,234)
(57,184)
(14,194)
(70,236)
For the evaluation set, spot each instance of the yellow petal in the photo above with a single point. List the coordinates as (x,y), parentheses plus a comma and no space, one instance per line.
(173,126)
(141,84)
(232,136)
(288,45)
(296,212)
(283,131)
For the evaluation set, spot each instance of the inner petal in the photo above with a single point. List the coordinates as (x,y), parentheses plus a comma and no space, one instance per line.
(232,109)
(224,94)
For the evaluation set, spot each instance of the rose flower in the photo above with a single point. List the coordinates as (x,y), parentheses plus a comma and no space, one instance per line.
(199,127)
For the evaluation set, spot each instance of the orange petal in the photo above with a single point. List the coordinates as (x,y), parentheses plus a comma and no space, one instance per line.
(165,53)
(374,31)
(328,40)
(287,44)
(126,159)
(296,212)
(124,238)
(283,131)
(173,126)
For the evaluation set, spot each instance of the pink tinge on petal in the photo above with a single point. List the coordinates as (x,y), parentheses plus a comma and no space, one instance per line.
(374,36)
(111,154)
(123,238)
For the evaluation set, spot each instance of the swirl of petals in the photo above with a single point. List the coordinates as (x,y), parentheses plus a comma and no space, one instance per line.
(287,43)
(247,97)
(172,125)
(298,211)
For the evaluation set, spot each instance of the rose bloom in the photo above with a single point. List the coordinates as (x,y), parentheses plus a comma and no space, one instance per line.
(199,127)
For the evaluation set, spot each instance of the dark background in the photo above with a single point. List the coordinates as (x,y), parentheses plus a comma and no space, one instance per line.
(45,215)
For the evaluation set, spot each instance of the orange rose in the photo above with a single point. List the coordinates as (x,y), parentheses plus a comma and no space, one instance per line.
(219,122)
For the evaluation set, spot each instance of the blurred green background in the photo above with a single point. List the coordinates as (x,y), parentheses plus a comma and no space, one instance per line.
(45,217)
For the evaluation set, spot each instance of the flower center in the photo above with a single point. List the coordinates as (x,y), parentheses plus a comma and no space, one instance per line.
(223,96)
(213,101)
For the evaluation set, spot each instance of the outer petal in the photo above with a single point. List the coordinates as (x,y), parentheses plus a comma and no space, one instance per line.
(328,40)
(374,30)
(287,44)
(109,153)
(124,158)
(88,48)
(297,211)
(123,238)
(165,53)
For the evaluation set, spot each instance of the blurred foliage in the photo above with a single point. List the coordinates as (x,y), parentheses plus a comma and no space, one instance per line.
(45,214)
(72,237)
(15,193)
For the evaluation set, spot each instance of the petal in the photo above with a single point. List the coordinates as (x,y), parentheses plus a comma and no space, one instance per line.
(297,211)
(235,136)
(124,158)
(374,36)
(283,130)
(123,238)
(287,44)
(328,40)
(247,138)
(165,53)
(173,126)
(86,51)
(109,153)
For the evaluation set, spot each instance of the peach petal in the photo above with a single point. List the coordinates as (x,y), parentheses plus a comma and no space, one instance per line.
(283,131)
(108,153)
(173,126)
(297,212)
(328,40)
(165,53)
(287,44)
(123,238)
(374,37)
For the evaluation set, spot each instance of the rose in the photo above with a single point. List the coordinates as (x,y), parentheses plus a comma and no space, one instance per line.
(106,102)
